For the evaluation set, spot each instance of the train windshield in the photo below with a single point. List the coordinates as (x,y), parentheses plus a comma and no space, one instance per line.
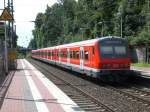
(118,50)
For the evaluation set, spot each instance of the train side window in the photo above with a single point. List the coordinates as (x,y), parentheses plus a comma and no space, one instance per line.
(86,55)
(55,53)
(93,50)
(74,54)
(70,54)
(77,54)
(65,54)
(59,53)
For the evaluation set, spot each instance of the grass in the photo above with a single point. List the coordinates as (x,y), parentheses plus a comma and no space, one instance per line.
(140,65)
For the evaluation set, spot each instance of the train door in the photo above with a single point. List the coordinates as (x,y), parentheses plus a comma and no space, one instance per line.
(81,58)
(68,56)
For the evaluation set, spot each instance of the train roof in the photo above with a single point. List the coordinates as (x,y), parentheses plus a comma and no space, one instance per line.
(83,43)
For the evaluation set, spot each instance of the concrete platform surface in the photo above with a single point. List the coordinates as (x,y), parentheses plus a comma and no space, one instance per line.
(31,91)
(141,70)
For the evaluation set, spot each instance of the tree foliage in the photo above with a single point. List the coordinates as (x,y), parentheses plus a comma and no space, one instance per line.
(70,20)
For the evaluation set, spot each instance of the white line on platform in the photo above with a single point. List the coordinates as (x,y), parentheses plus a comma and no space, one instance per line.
(41,106)
(67,104)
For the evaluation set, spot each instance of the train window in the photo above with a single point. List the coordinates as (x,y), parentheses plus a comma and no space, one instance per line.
(71,56)
(74,54)
(56,53)
(63,54)
(77,54)
(121,50)
(106,49)
(93,50)
(86,55)
(68,54)
(49,54)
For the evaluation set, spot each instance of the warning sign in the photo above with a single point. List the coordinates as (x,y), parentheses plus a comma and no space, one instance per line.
(6,16)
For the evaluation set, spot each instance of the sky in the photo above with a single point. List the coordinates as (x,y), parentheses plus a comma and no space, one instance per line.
(26,11)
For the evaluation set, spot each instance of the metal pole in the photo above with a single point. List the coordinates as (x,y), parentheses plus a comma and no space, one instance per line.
(9,27)
(6,61)
(12,42)
(102,29)
(121,25)
(4,3)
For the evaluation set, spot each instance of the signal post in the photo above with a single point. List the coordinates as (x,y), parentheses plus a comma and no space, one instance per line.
(6,16)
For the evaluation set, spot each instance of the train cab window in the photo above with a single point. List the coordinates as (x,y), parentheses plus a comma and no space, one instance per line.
(120,50)
(106,49)
(86,55)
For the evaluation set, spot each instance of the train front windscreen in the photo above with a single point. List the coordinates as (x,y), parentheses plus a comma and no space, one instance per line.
(113,48)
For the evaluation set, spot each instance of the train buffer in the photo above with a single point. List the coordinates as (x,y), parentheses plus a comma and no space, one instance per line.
(28,90)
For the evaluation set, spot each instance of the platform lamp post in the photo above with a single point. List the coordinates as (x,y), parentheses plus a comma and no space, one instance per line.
(81,29)
(101,22)
(120,15)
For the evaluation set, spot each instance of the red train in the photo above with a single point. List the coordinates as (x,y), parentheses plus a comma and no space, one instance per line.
(96,57)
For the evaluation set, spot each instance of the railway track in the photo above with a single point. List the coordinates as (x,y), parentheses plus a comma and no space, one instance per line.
(89,103)
(134,94)
(86,102)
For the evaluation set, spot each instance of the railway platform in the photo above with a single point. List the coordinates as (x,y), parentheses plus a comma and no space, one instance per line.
(28,90)
(142,70)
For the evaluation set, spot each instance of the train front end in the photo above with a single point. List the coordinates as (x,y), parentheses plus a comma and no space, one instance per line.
(114,56)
